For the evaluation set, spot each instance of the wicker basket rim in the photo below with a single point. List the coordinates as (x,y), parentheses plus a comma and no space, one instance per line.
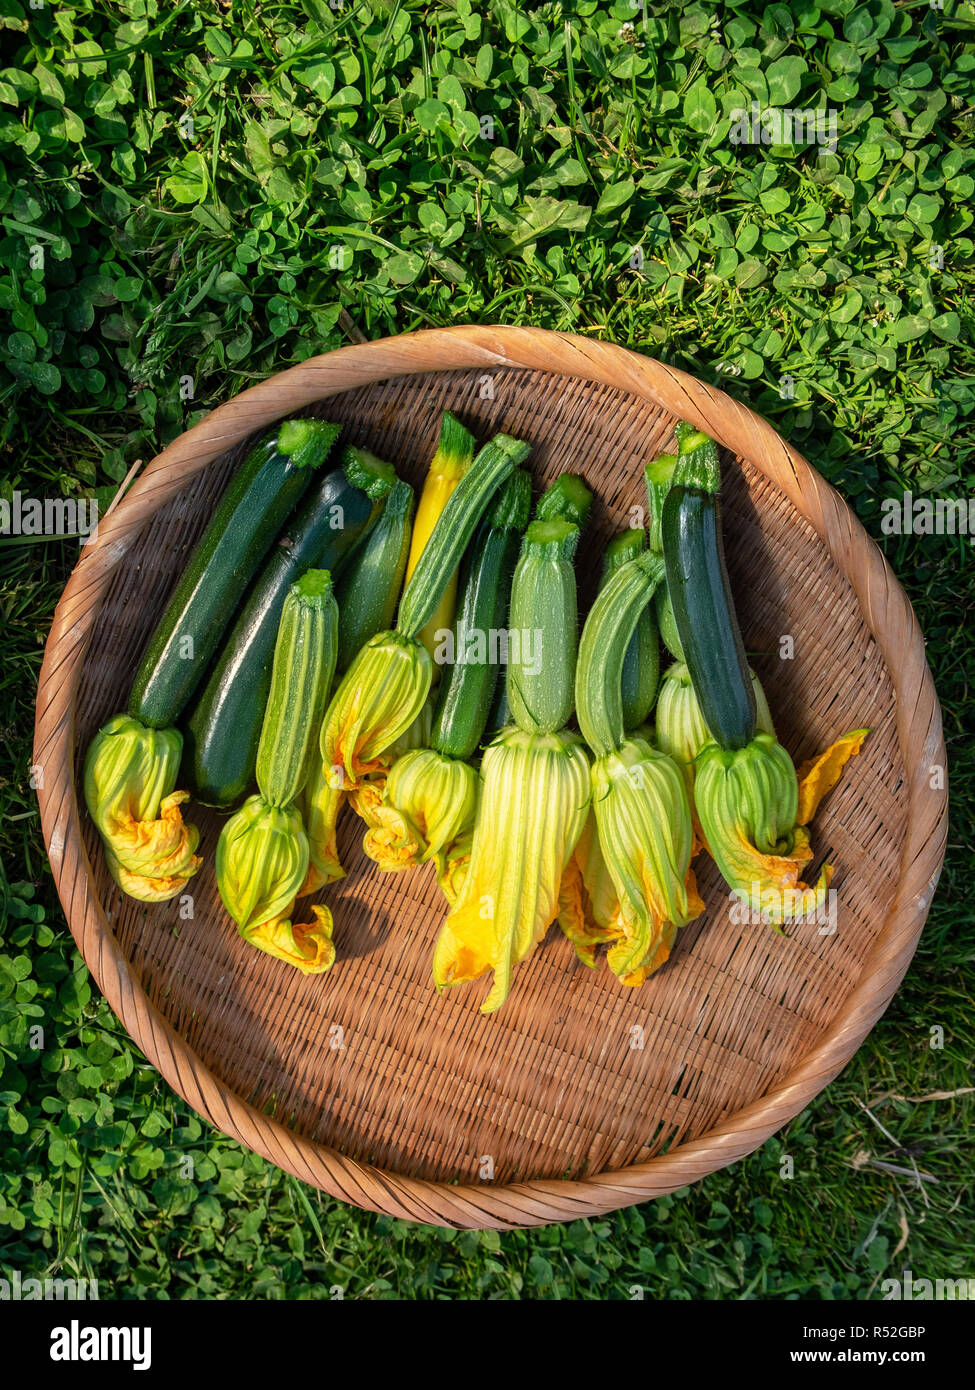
(887,614)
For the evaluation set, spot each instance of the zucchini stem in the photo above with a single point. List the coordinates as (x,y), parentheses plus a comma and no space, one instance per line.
(698,465)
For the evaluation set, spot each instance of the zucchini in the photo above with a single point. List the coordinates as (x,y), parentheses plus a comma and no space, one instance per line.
(658,476)
(664,611)
(603,647)
(453,458)
(466,693)
(260,496)
(641,664)
(224,726)
(302,671)
(454,528)
(500,716)
(370,587)
(567,499)
(700,593)
(544,627)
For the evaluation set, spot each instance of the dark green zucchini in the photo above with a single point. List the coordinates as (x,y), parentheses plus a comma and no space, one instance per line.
(259,498)
(700,593)
(370,587)
(225,725)
(467,689)
(500,716)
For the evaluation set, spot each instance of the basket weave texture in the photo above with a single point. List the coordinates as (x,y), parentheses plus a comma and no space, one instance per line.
(581,1095)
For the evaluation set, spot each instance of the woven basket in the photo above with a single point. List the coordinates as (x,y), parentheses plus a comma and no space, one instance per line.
(363,1081)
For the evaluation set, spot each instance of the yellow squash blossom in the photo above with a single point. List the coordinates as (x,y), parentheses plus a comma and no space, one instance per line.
(643,819)
(533,805)
(428,804)
(130,775)
(367,797)
(377,700)
(589,910)
(261,863)
(748,802)
(680,728)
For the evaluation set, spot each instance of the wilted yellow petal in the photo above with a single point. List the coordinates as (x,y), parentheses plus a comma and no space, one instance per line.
(160,848)
(817,776)
(588,906)
(662,942)
(144,888)
(392,841)
(307,947)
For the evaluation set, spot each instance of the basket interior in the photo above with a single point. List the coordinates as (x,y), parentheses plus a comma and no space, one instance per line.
(577,1074)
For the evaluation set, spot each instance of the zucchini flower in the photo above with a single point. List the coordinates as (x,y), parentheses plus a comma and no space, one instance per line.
(457,862)
(430,794)
(262,860)
(130,774)
(643,818)
(748,801)
(321,801)
(367,797)
(428,803)
(377,700)
(639,799)
(681,731)
(589,910)
(533,805)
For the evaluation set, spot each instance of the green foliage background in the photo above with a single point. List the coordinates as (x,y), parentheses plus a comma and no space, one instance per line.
(216,192)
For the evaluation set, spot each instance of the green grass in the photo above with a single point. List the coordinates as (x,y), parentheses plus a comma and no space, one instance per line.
(336,179)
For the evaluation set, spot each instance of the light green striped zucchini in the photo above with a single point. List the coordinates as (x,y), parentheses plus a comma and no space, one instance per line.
(304,664)
(544,615)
